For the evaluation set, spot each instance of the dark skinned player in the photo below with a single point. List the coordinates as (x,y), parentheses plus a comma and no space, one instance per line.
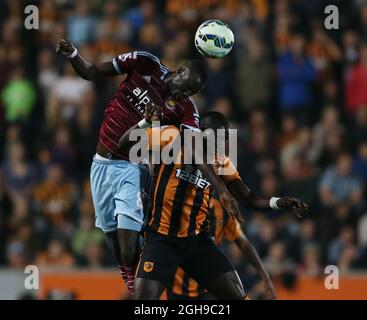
(221,226)
(177,233)
(119,187)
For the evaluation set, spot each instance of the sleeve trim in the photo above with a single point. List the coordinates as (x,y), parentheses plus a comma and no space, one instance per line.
(116,65)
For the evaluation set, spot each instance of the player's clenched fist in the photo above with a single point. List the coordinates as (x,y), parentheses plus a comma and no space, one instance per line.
(295,205)
(65,47)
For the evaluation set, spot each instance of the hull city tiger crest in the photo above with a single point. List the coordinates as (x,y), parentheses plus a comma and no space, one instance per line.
(148,266)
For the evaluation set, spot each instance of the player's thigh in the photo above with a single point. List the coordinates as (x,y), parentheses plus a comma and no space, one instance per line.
(103,185)
(207,265)
(113,243)
(131,195)
(159,259)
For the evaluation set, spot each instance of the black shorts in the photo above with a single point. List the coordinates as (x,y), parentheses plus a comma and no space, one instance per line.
(198,256)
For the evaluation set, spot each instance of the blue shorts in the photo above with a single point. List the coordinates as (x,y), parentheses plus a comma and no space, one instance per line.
(119,190)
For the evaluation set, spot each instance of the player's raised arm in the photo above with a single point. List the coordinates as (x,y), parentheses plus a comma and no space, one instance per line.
(247,198)
(82,67)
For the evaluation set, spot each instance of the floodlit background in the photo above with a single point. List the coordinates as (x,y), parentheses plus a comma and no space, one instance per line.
(296,92)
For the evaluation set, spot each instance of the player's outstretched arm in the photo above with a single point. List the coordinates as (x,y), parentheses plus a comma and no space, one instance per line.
(250,254)
(82,67)
(249,199)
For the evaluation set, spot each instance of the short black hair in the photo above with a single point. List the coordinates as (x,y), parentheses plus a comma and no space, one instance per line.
(216,119)
(198,67)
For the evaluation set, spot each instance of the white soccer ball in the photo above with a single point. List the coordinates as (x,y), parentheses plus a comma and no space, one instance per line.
(214,39)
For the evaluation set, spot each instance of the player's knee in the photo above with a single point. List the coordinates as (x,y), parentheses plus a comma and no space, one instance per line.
(129,247)
(147,289)
(129,255)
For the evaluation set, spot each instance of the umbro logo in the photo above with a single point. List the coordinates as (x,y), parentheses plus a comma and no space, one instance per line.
(147,78)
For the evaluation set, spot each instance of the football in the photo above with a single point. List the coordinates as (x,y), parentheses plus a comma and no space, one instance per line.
(214,39)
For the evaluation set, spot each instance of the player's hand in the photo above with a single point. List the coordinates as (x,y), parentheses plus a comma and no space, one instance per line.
(295,205)
(230,205)
(152,112)
(65,47)
(270,293)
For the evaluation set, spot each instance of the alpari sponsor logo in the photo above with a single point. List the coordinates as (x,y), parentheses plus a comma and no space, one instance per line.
(140,99)
(193,177)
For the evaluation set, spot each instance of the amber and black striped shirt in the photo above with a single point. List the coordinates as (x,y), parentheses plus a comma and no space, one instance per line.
(180,192)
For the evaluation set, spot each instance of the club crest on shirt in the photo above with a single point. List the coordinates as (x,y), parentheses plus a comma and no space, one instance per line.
(170,104)
(148,266)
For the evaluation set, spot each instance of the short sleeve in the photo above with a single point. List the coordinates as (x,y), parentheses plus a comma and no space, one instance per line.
(127,62)
(190,117)
(226,169)
(161,136)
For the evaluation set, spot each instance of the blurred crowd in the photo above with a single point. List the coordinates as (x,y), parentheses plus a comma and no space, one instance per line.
(296,92)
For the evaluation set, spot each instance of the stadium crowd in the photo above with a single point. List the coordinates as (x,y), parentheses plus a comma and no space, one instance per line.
(296,92)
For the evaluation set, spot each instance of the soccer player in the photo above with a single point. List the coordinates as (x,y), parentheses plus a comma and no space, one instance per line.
(221,226)
(119,187)
(176,234)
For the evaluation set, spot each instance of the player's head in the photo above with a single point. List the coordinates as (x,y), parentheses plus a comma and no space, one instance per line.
(213,120)
(187,80)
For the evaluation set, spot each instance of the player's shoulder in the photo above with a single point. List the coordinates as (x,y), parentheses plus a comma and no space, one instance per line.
(148,60)
(189,105)
(148,56)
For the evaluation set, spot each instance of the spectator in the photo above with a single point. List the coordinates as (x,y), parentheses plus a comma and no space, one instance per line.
(277,262)
(214,89)
(66,96)
(356,81)
(350,46)
(86,234)
(311,261)
(360,162)
(55,256)
(93,255)
(81,25)
(339,186)
(19,174)
(47,76)
(53,197)
(329,125)
(358,128)
(253,78)
(16,256)
(18,97)
(296,73)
